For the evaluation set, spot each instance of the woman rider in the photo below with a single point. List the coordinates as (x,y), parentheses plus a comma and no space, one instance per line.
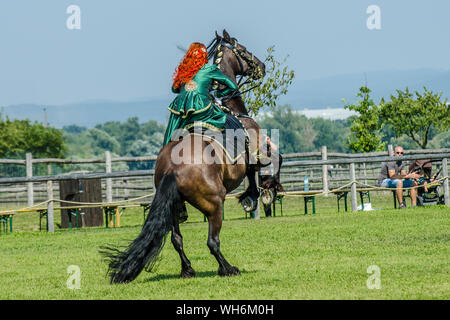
(192,81)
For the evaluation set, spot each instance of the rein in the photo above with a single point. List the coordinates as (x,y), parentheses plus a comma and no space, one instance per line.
(214,49)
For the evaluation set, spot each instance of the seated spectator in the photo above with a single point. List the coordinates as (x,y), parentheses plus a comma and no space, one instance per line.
(393,175)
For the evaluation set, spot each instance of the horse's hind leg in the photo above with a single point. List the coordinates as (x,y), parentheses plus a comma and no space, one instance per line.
(215,224)
(177,241)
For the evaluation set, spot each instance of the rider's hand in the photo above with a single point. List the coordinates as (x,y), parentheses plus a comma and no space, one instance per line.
(218,102)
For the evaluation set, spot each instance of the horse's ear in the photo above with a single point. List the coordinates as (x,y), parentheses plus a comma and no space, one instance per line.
(218,37)
(226,35)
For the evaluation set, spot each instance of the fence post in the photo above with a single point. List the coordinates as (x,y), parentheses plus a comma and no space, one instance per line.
(256,213)
(29,165)
(445,182)
(50,215)
(126,190)
(108,180)
(365,173)
(325,170)
(353,188)
(390,150)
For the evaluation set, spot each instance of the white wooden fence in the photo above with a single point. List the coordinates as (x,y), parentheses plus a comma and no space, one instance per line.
(325,171)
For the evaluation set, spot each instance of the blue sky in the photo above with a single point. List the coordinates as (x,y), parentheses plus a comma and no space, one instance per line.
(126,50)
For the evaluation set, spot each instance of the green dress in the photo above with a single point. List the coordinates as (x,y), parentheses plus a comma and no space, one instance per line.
(195,104)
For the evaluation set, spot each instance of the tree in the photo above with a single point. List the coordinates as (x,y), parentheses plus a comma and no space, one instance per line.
(122,138)
(267,91)
(296,132)
(331,133)
(18,137)
(365,129)
(73,128)
(417,117)
(126,133)
(151,127)
(441,140)
(103,141)
(147,146)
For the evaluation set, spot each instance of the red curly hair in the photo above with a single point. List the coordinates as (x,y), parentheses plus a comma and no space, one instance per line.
(194,59)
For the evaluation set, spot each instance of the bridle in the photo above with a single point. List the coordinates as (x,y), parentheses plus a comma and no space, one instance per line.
(254,71)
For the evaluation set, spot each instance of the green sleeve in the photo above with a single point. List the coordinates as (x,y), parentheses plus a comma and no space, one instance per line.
(216,74)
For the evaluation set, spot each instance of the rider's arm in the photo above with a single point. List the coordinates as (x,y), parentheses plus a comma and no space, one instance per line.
(218,75)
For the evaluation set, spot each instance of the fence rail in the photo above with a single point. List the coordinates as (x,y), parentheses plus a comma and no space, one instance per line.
(364,160)
(78,161)
(76,176)
(285,156)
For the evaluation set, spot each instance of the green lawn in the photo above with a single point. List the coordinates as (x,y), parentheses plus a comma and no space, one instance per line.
(322,256)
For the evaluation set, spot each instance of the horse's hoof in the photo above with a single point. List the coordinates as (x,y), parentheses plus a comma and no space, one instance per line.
(232,271)
(249,204)
(187,273)
(267,196)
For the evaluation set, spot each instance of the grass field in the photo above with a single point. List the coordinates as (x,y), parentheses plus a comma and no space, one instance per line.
(324,256)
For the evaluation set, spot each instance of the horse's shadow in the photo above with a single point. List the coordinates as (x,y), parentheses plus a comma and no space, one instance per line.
(200,274)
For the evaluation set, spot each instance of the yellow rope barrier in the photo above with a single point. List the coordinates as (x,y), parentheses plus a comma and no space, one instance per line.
(103,203)
(38,206)
(287,193)
(29,208)
(368,188)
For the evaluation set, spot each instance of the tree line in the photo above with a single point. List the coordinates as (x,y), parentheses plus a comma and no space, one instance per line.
(416,120)
(132,138)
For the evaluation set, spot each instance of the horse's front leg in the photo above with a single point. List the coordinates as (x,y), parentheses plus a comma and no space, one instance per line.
(249,199)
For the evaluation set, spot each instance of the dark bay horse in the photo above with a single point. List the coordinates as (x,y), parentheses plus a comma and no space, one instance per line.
(196,180)
(234,60)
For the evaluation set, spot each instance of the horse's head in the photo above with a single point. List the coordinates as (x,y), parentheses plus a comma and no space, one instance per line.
(233,57)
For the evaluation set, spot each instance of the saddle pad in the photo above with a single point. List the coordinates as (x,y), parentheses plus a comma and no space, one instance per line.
(232,138)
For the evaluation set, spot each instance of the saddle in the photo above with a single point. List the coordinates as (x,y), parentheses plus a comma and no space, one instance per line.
(232,138)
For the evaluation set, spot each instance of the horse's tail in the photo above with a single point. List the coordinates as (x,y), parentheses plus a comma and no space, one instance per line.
(125,266)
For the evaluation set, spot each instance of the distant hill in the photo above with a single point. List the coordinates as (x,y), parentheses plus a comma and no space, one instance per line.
(320,93)
(90,113)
